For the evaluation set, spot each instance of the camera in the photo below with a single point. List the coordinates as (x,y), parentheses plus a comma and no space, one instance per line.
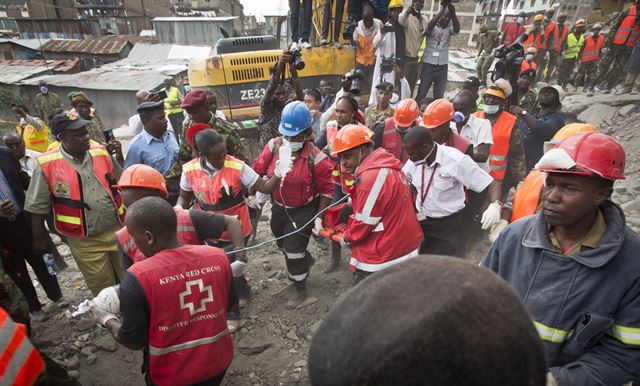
(297,58)
(356,77)
(388,64)
(509,60)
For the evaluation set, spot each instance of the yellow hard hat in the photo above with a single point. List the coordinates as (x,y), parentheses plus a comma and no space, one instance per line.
(396,4)
(573,128)
(538,17)
(580,23)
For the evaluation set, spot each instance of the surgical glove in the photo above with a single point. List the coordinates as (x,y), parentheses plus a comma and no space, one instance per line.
(101,316)
(261,198)
(496,229)
(108,300)
(491,216)
(344,243)
(282,168)
(317,226)
(252,202)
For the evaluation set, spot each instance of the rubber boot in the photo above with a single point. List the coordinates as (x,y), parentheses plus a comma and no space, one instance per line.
(335,258)
(243,289)
(299,297)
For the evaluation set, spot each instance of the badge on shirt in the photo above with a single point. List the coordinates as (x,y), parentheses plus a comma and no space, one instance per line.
(421,216)
(61,189)
(435,53)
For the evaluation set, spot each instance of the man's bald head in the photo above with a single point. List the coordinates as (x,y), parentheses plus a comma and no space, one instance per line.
(152,222)
(15,143)
(141,96)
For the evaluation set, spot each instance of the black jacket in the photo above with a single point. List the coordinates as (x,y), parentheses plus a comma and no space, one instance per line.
(18,179)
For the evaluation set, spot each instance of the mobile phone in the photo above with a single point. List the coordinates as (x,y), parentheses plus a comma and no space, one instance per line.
(160,94)
(108,135)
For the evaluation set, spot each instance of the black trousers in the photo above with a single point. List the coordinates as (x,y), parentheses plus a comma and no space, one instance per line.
(297,257)
(441,235)
(435,75)
(337,19)
(300,20)
(360,275)
(16,239)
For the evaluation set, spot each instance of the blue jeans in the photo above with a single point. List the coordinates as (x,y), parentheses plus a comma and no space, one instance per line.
(435,75)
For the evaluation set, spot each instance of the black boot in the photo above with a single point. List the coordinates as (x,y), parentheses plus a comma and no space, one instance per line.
(335,258)
(243,289)
(299,297)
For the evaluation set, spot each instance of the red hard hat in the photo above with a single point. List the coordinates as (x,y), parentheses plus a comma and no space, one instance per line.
(406,113)
(142,176)
(438,112)
(593,153)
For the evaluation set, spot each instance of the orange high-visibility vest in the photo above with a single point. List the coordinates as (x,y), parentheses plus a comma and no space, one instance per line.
(629,31)
(591,51)
(338,176)
(20,362)
(501,131)
(557,42)
(534,40)
(69,215)
(221,193)
(526,66)
(527,197)
(551,29)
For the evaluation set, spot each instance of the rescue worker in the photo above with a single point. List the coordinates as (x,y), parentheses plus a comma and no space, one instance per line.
(527,94)
(389,136)
(511,31)
(487,42)
(304,193)
(575,266)
(382,110)
(75,182)
(527,199)
(197,108)
(428,341)
(618,46)
(385,230)
(46,102)
(474,129)
(590,56)
(172,108)
(174,303)
(84,110)
(555,41)
(529,62)
(21,362)
(440,174)
(437,118)
(536,38)
(32,130)
(570,52)
(549,33)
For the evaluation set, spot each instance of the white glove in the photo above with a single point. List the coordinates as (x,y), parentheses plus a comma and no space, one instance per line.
(491,216)
(252,202)
(317,226)
(496,229)
(108,300)
(344,243)
(261,198)
(101,316)
(282,168)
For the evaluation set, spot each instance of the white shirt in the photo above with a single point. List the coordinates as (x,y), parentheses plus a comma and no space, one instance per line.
(477,131)
(453,172)
(248,178)
(29,161)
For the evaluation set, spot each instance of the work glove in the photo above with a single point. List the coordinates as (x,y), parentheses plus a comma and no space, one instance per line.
(496,229)
(252,202)
(108,300)
(344,243)
(551,381)
(317,226)
(491,216)
(101,316)
(282,168)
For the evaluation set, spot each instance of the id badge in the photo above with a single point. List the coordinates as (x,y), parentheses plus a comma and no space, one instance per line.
(421,216)
(435,53)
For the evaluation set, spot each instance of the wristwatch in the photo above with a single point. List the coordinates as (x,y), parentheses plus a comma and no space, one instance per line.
(523,113)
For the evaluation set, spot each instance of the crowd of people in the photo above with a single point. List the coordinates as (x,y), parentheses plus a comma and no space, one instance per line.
(159,232)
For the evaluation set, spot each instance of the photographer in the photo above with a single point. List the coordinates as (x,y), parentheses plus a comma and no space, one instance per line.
(352,84)
(435,61)
(415,25)
(275,98)
(363,38)
(385,44)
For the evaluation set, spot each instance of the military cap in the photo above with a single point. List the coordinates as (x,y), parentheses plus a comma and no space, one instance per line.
(194,98)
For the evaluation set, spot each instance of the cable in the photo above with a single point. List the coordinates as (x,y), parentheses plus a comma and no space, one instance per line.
(294,232)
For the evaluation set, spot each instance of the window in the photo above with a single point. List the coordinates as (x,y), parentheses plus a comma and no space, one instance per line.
(544,1)
(533,3)
(521,4)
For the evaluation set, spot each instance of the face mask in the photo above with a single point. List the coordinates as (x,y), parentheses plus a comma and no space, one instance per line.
(596,33)
(424,160)
(295,146)
(44,90)
(528,57)
(520,20)
(546,17)
(491,109)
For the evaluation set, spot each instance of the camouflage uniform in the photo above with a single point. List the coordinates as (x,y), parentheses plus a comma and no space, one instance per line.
(96,129)
(612,63)
(372,116)
(528,100)
(12,299)
(488,42)
(47,104)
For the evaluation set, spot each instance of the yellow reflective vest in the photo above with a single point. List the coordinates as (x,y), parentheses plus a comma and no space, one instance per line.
(573,46)
(172,97)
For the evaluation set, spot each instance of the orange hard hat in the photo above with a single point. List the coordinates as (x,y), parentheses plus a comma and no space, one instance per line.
(438,112)
(349,137)
(142,176)
(592,153)
(531,50)
(573,128)
(406,113)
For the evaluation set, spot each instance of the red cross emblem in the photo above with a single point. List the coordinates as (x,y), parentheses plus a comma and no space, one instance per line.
(202,296)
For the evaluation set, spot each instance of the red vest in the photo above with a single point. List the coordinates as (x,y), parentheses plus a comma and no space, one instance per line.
(557,42)
(628,32)
(535,40)
(20,362)
(591,51)
(223,193)
(501,132)
(66,189)
(392,141)
(187,289)
(339,176)
(459,142)
(526,66)
(186,234)
(527,197)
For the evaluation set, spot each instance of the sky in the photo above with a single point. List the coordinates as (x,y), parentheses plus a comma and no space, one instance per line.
(265,7)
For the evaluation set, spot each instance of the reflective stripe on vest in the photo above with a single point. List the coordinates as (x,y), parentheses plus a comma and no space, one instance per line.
(527,196)
(573,46)
(194,343)
(66,188)
(501,131)
(591,50)
(20,362)
(558,40)
(628,32)
(626,335)
(553,335)
(208,191)
(172,96)
(37,140)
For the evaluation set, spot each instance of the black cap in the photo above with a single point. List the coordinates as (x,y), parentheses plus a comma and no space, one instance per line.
(385,86)
(147,107)
(66,121)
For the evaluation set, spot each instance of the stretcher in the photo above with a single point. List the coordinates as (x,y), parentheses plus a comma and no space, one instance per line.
(334,226)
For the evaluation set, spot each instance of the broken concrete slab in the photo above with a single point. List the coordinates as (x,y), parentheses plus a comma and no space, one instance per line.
(596,114)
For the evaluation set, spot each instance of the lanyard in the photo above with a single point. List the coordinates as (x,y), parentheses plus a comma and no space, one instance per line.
(424,192)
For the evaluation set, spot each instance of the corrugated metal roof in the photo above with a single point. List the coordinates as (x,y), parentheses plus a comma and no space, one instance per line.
(13,74)
(150,53)
(33,44)
(195,18)
(95,45)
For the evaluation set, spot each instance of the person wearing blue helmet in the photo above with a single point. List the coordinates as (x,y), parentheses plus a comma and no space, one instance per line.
(306,189)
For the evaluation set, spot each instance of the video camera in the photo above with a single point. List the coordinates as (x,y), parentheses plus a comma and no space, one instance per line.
(356,77)
(388,64)
(509,60)
(297,58)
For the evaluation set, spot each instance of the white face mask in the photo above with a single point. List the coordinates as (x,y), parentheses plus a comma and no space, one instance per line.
(528,57)
(520,20)
(44,90)
(491,109)
(295,146)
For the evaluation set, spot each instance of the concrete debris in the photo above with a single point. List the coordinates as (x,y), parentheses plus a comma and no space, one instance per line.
(597,114)
(91,359)
(73,363)
(106,343)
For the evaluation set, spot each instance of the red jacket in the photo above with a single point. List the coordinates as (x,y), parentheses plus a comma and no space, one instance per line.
(386,230)
(511,31)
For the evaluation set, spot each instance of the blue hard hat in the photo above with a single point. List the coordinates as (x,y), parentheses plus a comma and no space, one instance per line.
(296,118)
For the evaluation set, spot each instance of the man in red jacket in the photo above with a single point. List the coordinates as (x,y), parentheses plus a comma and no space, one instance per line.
(385,230)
